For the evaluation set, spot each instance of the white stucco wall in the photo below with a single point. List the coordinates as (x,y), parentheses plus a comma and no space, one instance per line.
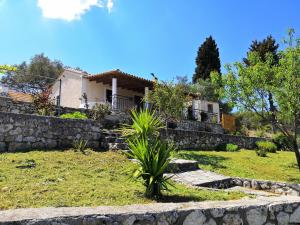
(71,89)
(202,105)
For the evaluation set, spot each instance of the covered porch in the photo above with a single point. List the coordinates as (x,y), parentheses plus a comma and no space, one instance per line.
(121,90)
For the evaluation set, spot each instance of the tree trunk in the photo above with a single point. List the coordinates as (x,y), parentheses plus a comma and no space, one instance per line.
(297,152)
(272,110)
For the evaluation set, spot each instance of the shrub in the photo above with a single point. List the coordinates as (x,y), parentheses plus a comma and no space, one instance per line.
(221,147)
(282,141)
(44,104)
(267,146)
(74,115)
(80,145)
(261,152)
(232,148)
(99,111)
(152,154)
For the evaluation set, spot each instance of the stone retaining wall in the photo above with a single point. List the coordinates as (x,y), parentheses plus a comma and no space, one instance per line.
(263,211)
(22,132)
(199,126)
(10,106)
(198,140)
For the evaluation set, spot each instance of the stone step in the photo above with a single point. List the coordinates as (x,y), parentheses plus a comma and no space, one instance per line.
(182,165)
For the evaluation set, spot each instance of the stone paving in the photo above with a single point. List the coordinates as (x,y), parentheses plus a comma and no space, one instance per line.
(191,175)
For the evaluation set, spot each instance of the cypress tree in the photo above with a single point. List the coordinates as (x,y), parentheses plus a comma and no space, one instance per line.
(207,60)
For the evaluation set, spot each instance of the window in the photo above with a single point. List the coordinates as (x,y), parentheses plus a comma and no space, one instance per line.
(210,108)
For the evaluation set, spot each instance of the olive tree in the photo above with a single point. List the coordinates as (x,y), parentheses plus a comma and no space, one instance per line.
(248,88)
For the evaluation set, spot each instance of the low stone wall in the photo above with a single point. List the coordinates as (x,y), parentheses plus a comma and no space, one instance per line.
(263,211)
(10,106)
(22,132)
(199,126)
(198,140)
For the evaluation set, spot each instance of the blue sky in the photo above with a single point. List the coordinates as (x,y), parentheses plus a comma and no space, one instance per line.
(138,37)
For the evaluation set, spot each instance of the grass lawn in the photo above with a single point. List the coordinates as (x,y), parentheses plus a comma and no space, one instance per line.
(68,178)
(280,166)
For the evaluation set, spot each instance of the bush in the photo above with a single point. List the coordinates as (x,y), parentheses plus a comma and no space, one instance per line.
(232,148)
(99,111)
(221,147)
(282,142)
(74,115)
(267,146)
(261,152)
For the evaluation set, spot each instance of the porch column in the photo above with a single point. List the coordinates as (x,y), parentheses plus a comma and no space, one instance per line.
(114,104)
(147,104)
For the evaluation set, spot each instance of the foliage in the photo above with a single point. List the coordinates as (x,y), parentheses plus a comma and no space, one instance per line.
(232,148)
(267,45)
(7,68)
(153,157)
(261,152)
(205,89)
(169,99)
(280,166)
(74,115)
(207,60)
(80,145)
(85,99)
(43,103)
(99,111)
(66,179)
(152,154)
(267,146)
(144,124)
(281,141)
(248,87)
(35,76)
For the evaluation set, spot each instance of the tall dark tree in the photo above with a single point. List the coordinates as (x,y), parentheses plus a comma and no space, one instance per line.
(263,48)
(267,45)
(207,60)
(35,76)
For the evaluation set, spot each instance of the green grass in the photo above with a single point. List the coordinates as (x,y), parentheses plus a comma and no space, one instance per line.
(68,178)
(280,166)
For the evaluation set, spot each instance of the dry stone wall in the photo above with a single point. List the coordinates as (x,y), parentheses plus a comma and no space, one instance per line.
(263,211)
(10,106)
(200,140)
(22,132)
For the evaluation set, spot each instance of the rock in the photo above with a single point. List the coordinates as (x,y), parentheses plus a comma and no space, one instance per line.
(195,218)
(232,219)
(217,212)
(246,184)
(255,185)
(257,216)
(129,221)
(283,218)
(295,217)
(210,222)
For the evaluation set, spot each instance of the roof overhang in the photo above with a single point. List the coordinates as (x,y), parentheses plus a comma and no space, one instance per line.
(124,80)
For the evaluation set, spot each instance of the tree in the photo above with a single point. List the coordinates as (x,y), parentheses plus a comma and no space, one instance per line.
(169,99)
(207,60)
(267,45)
(263,48)
(248,88)
(35,76)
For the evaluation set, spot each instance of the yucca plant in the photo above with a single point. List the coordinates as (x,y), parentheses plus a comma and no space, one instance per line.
(144,124)
(152,155)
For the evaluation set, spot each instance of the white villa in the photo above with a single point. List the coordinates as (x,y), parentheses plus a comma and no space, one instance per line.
(122,90)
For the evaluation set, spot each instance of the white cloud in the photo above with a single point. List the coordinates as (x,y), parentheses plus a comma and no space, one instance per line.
(110,5)
(69,9)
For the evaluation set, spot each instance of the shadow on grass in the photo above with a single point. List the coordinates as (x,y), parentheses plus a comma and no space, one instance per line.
(178,198)
(208,160)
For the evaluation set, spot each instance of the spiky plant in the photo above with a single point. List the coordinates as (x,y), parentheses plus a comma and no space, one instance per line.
(152,155)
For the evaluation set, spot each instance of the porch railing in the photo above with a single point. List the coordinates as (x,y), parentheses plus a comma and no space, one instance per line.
(122,103)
